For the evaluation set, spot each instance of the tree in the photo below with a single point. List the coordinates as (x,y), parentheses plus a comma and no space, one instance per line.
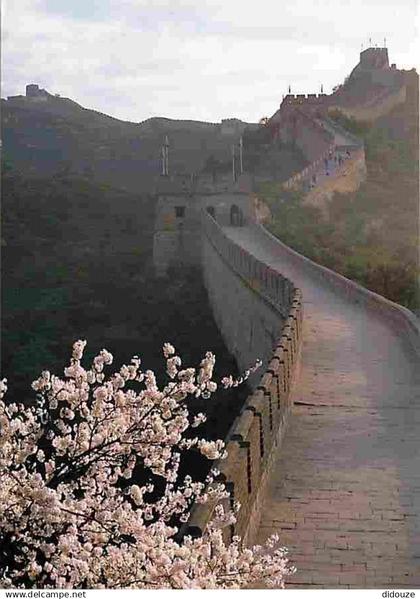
(90,488)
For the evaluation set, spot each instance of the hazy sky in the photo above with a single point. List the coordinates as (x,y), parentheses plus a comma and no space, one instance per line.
(197,59)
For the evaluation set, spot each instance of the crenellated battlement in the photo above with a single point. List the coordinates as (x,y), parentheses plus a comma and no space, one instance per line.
(267,302)
(304,98)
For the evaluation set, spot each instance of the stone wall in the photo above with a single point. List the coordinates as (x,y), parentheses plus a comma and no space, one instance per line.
(255,307)
(302,130)
(177,232)
(311,138)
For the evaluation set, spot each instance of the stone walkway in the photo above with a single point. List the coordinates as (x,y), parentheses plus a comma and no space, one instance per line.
(345,491)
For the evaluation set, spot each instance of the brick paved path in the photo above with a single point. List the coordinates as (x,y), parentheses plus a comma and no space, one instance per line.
(345,491)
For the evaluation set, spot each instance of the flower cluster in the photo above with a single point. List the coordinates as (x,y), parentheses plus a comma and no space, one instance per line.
(78,472)
(229,381)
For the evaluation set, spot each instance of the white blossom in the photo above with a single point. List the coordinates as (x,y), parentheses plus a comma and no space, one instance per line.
(168,350)
(72,512)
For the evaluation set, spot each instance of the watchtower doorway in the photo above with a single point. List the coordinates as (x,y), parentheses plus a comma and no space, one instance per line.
(211,210)
(236,216)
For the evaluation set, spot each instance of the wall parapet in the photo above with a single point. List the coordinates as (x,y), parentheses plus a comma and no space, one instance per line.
(312,122)
(258,430)
(271,285)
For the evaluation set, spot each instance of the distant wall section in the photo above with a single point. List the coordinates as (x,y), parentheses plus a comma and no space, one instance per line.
(298,128)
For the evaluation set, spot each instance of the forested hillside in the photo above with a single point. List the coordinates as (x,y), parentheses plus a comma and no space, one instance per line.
(60,137)
(76,264)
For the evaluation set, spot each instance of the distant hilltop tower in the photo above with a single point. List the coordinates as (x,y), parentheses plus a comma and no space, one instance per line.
(34,94)
(33,91)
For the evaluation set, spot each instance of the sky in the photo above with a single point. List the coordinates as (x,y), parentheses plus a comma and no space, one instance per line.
(196,59)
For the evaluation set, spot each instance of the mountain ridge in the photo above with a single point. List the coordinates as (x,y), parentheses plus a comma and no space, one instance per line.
(47,135)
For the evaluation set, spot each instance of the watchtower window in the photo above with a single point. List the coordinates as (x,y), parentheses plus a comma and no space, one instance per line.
(180,211)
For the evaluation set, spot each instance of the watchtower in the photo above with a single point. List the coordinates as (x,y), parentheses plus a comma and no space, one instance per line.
(374,58)
(180,201)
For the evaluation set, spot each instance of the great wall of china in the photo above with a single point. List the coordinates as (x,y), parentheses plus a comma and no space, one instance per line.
(325,450)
